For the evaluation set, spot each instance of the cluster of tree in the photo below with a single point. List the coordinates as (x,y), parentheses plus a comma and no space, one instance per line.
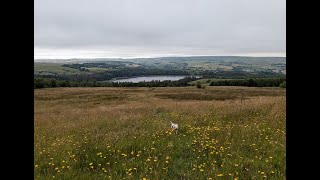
(238,74)
(114,73)
(283,84)
(114,64)
(43,82)
(119,69)
(140,71)
(47,82)
(258,82)
(156,83)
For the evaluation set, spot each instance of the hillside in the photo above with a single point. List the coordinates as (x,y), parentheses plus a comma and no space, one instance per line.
(116,133)
(194,64)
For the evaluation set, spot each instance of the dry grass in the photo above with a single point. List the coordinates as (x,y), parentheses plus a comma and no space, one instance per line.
(236,132)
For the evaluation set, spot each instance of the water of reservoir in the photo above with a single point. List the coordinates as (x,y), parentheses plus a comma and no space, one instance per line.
(150,78)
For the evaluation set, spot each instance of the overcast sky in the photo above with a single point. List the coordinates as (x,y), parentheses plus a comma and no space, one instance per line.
(152,28)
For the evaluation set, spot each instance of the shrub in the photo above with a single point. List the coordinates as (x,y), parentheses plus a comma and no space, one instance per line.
(283,84)
(198,84)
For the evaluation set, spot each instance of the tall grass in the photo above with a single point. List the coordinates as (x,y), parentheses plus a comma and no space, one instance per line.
(124,133)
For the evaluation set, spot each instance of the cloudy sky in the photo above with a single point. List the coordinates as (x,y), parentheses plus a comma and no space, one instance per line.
(152,28)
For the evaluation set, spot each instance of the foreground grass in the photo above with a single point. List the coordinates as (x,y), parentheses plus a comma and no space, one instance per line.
(123,133)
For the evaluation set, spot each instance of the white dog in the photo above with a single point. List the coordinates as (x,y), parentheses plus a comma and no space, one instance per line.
(174,126)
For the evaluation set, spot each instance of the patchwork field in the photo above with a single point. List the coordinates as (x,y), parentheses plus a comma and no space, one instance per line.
(124,133)
(53,68)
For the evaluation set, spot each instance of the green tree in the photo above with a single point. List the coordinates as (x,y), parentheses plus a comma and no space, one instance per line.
(283,84)
(53,83)
(198,84)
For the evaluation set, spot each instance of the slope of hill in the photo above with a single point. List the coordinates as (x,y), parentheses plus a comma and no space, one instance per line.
(124,133)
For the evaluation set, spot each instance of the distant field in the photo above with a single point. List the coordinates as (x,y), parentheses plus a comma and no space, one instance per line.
(193,65)
(42,68)
(124,133)
(95,69)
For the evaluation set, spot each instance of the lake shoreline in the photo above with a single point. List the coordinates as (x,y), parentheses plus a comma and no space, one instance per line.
(146,76)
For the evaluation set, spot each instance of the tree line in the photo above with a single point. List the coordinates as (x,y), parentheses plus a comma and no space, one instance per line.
(219,74)
(49,82)
(114,73)
(258,82)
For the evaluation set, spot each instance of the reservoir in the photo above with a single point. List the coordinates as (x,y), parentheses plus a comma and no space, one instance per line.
(150,78)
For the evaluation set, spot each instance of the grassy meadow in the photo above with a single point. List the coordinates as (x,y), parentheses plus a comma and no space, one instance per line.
(53,68)
(124,133)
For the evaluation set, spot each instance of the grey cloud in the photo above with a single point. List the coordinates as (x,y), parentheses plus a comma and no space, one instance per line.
(166,26)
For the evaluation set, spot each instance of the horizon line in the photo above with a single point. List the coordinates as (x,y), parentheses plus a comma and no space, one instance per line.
(150,57)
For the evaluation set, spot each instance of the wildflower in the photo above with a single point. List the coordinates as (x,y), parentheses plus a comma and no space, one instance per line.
(219,175)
